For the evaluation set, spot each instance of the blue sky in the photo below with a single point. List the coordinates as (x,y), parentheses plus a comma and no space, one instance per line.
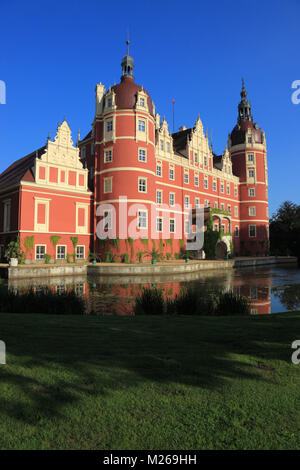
(54,52)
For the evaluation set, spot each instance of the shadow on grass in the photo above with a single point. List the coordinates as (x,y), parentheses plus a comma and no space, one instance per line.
(54,362)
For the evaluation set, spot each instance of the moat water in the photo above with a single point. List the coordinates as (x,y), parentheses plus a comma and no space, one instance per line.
(269,289)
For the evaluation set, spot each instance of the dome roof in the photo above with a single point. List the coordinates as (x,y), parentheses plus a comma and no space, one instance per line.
(126,94)
(238,135)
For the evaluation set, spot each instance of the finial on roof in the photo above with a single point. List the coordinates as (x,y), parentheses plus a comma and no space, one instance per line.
(127,63)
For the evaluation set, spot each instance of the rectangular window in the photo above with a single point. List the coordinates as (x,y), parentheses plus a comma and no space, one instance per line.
(159,224)
(186,177)
(196,180)
(6,219)
(196,157)
(107,156)
(161,144)
(80,252)
(252,211)
(222,187)
(235,191)
(228,189)
(235,211)
(172,199)
(215,205)
(60,252)
(229,208)
(82,152)
(168,147)
(142,219)
(142,185)
(172,225)
(158,197)
(108,220)
(171,173)
(252,231)
(197,202)
(142,102)
(142,155)
(158,170)
(142,126)
(186,226)
(223,228)
(107,185)
(214,186)
(186,202)
(40,251)
(251,173)
(205,183)
(249,140)
(216,227)
(252,192)
(109,102)
(109,126)
(250,157)
(205,161)
(206,203)
(222,206)
(236,231)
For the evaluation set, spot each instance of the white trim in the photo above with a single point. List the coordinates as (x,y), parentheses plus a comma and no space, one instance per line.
(124,168)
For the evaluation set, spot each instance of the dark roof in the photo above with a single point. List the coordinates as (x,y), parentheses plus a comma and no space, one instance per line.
(180,139)
(86,137)
(20,170)
(126,94)
(238,135)
(217,161)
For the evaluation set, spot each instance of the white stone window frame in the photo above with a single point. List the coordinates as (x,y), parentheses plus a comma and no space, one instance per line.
(41,227)
(142,211)
(173,220)
(108,150)
(228,189)
(171,194)
(229,208)
(109,101)
(61,246)
(159,224)
(222,187)
(222,206)
(159,165)
(235,211)
(38,245)
(196,180)
(215,204)
(253,171)
(105,182)
(248,155)
(186,177)
(80,257)
(142,95)
(142,149)
(171,168)
(142,178)
(252,211)
(249,192)
(197,202)
(196,157)
(235,191)
(6,215)
(159,191)
(186,198)
(142,125)
(205,183)
(215,185)
(79,228)
(249,230)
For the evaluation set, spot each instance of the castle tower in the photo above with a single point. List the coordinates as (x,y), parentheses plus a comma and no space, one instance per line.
(124,155)
(249,161)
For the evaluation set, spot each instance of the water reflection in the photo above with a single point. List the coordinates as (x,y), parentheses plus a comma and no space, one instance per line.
(272,289)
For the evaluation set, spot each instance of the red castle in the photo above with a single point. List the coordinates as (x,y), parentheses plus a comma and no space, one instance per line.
(54,195)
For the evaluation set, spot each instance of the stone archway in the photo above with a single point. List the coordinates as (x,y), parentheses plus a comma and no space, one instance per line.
(221,250)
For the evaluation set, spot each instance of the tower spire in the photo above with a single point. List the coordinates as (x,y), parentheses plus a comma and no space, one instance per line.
(127,63)
(244,106)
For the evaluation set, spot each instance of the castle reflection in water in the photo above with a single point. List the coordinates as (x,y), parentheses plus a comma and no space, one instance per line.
(271,289)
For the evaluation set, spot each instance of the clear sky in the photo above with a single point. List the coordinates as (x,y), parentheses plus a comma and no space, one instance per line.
(54,52)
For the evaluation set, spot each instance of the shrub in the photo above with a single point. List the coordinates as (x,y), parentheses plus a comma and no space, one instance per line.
(47,258)
(149,302)
(229,303)
(109,257)
(44,301)
(125,258)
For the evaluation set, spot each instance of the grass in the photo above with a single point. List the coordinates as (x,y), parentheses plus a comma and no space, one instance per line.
(149,382)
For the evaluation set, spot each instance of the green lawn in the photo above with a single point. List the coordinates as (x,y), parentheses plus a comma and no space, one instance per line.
(74,382)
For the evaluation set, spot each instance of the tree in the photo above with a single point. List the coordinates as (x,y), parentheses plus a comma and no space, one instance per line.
(285,230)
